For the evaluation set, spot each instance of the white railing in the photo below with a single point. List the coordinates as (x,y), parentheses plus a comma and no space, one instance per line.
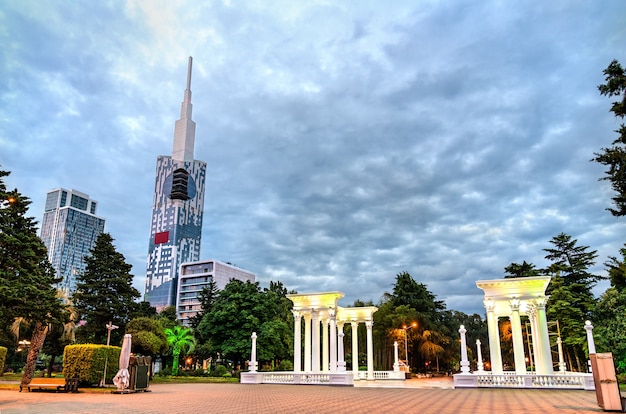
(322,378)
(570,380)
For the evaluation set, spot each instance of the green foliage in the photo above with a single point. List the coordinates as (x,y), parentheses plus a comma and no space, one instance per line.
(617,270)
(180,339)
(285,365)
(148,336)
(571,297)
(220,371)
(167,317)
(614,157)
(521,270)
(3,358)
(27,278)
(242,308)
(610,325)
(105,292)
(86,362)
(206,297)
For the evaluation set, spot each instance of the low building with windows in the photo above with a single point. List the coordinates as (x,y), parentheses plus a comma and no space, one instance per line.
(195,276)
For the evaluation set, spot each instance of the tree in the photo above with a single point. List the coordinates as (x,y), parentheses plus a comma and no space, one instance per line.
(617,270)
(180,339)
(206,296)
(104,292)
(27,278)
(148,336)
(521,270)
(242,308)
(614,157)
(571,297)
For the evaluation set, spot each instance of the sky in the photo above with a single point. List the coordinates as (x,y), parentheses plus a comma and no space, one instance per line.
(345,141)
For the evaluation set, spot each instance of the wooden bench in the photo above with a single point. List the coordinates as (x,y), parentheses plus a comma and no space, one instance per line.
(53,384)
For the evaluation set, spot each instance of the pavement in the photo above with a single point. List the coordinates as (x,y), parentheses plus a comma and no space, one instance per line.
(423,396)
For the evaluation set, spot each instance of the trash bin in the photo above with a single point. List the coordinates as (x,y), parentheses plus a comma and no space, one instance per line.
(139,368)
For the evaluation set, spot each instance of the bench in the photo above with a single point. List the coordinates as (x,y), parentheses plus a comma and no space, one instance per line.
(53,384)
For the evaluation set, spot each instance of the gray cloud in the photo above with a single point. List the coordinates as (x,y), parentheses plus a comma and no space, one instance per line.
(344,142)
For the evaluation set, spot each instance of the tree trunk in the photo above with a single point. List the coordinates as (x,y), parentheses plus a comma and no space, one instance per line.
(36,342)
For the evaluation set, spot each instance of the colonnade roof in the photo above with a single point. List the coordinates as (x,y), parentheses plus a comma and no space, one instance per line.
(501,293)
(516,287)
(361,314)
(320,300)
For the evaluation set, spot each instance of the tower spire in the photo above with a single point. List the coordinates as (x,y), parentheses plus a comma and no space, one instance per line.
(185,127)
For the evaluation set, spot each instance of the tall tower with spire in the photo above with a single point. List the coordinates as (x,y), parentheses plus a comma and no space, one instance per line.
(177,209)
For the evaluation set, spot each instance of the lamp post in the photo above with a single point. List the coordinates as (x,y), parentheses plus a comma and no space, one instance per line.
(406,348)
(109,327)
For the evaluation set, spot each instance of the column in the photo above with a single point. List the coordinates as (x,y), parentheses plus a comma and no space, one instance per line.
(355,349)
(561,359)
(333,341)
(297,342)
(518,339)
(253,363)
(590,343)
(307,341)
(396,364)
(544,365)
(370,350)
(494,338)
(325,345)
(464,361)
(341,363)
(315,337)
(480,366)
(532,316)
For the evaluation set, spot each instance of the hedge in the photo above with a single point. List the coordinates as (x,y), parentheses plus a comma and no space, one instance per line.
(3,358)
(86,362)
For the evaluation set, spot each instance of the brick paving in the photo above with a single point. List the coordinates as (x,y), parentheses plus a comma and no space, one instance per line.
(423,398)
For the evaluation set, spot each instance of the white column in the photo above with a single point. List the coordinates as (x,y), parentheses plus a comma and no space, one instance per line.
(355,349)
(333,341)
(494,338)
(370,350)
(341,364)
(518,339)
(315,337)
(297,342)
(307,341)
(396,364)
(325,345)
(253,363)
(561,359)
(532,316)
(590,343)
(464,361)
(479,353)
(545,359)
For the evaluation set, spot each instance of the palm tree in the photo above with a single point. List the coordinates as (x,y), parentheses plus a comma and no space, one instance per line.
(179,338)
(430,348)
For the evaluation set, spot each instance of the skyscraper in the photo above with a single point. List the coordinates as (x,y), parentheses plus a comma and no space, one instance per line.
(69,230)
(177,209)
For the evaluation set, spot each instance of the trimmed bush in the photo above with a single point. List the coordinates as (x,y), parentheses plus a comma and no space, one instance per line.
(285,365)
(86,362)
(3,358)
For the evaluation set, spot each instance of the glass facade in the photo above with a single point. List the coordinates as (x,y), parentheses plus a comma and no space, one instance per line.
(69,233)
(176,228)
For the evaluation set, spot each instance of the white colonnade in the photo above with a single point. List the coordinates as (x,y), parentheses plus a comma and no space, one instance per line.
(513,298)
(323,333)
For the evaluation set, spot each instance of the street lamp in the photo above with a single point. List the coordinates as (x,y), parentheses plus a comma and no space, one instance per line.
(109,327)
(406,349)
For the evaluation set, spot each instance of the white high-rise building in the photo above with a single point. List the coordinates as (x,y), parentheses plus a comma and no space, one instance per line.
(177,210)
(195,276)
(69,230)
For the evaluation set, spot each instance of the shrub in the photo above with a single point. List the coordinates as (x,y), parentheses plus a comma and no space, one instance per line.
(219,371)
(3,358)
(86,362)
(285,365)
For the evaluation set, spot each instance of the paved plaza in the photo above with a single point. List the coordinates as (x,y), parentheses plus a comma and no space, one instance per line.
(420,397)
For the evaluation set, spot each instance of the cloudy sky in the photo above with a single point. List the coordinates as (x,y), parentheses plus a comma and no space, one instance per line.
(345,141)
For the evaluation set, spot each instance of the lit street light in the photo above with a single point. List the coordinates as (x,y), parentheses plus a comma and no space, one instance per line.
(406,349)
